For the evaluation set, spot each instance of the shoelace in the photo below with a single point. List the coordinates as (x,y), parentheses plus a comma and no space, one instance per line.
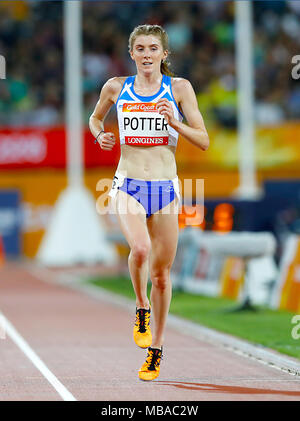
(153,359)
(142,318)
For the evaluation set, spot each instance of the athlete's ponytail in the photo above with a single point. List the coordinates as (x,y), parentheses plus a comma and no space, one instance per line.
(160,33)
(164,68)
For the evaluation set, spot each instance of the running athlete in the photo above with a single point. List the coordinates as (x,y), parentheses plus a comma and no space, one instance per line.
(145,190)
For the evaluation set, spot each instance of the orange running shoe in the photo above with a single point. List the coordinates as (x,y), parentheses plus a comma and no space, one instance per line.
(151,367)
(141,331)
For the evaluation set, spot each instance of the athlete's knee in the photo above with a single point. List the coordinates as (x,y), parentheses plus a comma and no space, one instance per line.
(140,251)
(160,278)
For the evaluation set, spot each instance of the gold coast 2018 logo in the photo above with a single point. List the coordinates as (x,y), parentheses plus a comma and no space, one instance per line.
(2,67)
(296,69)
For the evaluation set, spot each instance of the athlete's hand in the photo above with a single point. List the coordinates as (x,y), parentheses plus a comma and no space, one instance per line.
(107,141)
(164,107)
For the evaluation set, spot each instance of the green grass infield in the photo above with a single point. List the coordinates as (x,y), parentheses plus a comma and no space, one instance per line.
(260,325)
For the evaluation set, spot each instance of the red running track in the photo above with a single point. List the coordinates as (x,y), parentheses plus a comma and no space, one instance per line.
(87,344)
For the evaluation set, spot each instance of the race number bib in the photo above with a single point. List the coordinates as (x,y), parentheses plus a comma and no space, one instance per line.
(143,125)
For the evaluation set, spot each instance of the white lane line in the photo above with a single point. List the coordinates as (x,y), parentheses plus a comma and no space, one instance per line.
(35,359)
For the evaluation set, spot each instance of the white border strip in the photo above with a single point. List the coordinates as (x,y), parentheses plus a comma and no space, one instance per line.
(262,355)
(239,346)
(36,361)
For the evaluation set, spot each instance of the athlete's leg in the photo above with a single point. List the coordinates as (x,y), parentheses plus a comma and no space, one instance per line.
(132,219)
(163,231)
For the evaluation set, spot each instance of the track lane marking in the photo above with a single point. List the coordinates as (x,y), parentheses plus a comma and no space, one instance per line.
(35,359)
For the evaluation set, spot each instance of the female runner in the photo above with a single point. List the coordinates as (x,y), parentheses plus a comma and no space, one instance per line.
(145,190)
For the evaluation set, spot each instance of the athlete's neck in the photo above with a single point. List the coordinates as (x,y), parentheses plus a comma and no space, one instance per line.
(148,81)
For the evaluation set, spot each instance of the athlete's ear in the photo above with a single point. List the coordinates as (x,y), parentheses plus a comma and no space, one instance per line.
(131,54)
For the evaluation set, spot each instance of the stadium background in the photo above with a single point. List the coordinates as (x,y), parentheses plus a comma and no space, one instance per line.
(32,132)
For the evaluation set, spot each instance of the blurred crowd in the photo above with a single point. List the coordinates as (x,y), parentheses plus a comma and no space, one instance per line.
(201,36)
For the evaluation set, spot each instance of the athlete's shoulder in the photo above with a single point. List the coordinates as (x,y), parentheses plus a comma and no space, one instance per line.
(112,87)
(182,89)
(114,84)
(180,85)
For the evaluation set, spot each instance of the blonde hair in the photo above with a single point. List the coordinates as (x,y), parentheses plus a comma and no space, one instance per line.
(160,33)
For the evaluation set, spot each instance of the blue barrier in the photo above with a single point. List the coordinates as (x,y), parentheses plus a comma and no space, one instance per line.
(10,222)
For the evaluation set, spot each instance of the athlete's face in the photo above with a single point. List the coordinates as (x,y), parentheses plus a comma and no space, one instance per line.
(147,52)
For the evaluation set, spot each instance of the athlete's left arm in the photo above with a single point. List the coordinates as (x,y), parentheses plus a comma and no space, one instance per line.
(195,131)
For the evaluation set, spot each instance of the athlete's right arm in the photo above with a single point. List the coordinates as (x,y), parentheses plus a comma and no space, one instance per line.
(109,94)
